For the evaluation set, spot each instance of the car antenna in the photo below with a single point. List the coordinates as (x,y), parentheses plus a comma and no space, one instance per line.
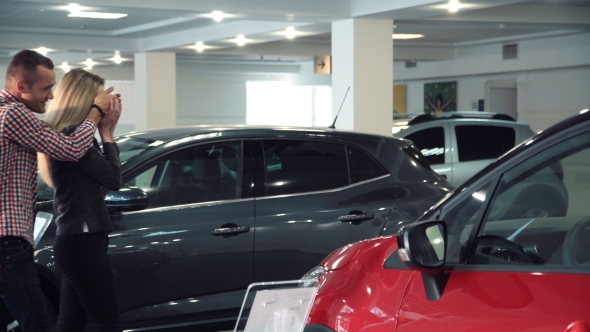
(333,126)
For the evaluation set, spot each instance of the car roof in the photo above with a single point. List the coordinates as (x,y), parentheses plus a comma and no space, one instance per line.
(235,131)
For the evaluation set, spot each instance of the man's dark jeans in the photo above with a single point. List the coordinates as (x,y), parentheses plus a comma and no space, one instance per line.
(20,289)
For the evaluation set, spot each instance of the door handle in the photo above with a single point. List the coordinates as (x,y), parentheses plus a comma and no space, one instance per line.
(234,230)
(357,217)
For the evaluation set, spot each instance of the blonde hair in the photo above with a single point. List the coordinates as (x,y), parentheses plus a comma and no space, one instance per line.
(74,96)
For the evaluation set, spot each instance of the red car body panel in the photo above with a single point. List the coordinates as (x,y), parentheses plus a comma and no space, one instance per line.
(361,296)
(475,300)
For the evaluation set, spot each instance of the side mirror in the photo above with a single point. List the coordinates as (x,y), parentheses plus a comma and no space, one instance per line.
(126,199)
(422,246)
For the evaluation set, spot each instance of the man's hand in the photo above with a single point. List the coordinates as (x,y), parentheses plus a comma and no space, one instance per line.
(103,100)
(106,126)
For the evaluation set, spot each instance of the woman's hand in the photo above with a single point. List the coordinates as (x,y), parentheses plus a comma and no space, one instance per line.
(107,124)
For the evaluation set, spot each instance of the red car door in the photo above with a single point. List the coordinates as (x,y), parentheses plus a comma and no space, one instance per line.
(518,251)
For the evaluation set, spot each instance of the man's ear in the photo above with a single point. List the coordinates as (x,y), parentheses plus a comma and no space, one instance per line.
(21,87)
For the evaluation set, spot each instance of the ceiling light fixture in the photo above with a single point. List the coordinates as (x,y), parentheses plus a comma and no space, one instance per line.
(77,11)
(241,40)
(42,50)
(454,6)
(65,67)
(405,36)
(217,15)
(117,58)
(104,16)
(290,32)
(89,63)
(199,46)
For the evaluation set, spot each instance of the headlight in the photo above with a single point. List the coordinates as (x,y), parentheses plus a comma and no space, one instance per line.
(311,277)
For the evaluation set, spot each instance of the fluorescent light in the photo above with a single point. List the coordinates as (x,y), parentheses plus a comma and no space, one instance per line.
(406,36)
(241,40)
(105,16)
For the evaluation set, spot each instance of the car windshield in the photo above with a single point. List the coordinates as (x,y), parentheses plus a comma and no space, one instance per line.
(129,147)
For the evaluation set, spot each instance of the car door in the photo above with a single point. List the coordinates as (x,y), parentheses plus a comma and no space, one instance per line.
(511,265)
(185,256)
(313,205)
(435,144)
(476,146)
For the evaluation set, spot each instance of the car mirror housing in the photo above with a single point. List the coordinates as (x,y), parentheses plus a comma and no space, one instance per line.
(126,199)
(422,246)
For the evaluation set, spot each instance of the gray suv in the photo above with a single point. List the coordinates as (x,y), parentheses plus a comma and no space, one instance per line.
(459,144)
(206,211)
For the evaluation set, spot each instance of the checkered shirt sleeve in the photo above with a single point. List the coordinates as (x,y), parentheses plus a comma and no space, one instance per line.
(22,134)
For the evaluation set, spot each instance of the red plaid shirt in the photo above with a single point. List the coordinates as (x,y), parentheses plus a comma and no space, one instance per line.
(22,134)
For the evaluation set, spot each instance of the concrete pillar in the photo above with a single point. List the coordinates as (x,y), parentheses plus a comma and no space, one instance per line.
(155,90)
(362,59)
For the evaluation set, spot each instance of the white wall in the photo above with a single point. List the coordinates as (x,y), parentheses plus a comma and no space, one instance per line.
(552,77)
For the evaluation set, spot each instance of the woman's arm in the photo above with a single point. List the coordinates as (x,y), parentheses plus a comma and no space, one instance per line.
(106,169)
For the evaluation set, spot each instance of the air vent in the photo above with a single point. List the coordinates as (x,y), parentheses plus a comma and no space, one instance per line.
(510,51)
(411,64)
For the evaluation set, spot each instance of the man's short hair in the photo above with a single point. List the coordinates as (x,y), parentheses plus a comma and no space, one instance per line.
(26,62)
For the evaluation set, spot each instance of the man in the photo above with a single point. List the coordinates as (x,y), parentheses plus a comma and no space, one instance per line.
(29,80)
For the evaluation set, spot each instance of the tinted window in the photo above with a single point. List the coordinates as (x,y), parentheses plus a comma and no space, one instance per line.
(483,142)
(462,224)
(431,143)
(540,212)
(294,166)
(362,166)
(200,174)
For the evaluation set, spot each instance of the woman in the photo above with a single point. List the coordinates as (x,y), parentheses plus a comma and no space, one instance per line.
(87,287)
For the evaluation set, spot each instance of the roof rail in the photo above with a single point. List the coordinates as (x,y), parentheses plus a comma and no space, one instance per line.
(461,115)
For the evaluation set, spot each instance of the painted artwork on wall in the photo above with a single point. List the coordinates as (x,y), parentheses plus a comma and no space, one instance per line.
(440,97)
(399,99)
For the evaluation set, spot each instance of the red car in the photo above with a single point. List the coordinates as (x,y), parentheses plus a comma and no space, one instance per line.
(507,251)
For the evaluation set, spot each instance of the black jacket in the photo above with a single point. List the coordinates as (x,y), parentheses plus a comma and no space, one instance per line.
(80,189)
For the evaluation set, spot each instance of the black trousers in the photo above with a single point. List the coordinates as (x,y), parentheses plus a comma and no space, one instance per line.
(20,289)
(87,286)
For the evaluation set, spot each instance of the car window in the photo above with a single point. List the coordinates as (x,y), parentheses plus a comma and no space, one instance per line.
(462,222)
(478,142)
(540,212)
(204,173)
(297,166)
(362,166)
(431,143)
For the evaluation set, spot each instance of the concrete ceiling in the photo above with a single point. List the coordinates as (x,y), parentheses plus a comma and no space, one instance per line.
(176,25)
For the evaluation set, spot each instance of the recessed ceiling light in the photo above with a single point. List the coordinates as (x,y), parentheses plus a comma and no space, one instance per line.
(65,67)
(73,7)
(117,58)
(42,50)
(199,46)
(89,63)
(241,40)
(454,6)
(217,15)
(290,33)
(101,15)
(404,36)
